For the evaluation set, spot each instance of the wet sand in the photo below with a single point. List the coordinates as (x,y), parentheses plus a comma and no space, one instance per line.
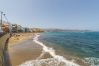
(27,50)
(23,51)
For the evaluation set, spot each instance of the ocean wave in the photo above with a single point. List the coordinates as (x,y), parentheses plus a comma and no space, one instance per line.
(45,62)
(57,60)
(92,61)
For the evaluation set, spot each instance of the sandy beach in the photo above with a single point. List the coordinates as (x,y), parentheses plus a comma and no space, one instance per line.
(19,37)
(22,48)
(25,49)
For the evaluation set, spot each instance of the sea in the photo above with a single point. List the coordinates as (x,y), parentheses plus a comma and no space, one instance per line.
(79,47)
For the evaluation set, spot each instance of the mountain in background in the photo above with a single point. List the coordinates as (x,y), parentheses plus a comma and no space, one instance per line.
(65,30)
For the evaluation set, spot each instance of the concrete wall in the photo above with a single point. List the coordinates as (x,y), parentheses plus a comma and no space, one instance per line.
(3,43)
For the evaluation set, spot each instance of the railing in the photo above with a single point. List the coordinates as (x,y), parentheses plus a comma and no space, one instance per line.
(3,47)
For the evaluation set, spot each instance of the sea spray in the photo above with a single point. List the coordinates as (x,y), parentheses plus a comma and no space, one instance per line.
(93,61)
(57,60)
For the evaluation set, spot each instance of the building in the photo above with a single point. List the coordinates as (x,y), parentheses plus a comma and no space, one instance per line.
(17,28)
(14,28)
(5,27)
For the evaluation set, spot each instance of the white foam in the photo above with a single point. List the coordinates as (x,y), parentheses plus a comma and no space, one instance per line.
(51,51)
(93,61)
(44,62)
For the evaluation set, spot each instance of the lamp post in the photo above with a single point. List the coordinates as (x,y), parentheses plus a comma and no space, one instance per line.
(1,17)
(10,27)
(1,13)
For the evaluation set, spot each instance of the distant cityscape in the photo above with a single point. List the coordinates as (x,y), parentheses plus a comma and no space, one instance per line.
(15,28)
(6,27)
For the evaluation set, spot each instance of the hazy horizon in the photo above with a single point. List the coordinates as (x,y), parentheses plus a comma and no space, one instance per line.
(63,14)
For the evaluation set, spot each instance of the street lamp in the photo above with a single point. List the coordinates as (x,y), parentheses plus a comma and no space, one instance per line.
(1,21)
(1,17)
(10,27)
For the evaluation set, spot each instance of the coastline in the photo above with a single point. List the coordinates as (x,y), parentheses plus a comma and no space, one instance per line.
(60,51)
(55,60)
(31,51)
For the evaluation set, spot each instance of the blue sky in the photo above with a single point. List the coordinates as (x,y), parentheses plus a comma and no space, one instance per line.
(65,14)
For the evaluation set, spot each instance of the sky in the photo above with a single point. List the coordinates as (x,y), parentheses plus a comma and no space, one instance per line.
(63,14)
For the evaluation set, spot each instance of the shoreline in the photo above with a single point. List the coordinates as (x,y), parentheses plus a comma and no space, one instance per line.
(60,51)
(32,50)
(66,54)
(57,58)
